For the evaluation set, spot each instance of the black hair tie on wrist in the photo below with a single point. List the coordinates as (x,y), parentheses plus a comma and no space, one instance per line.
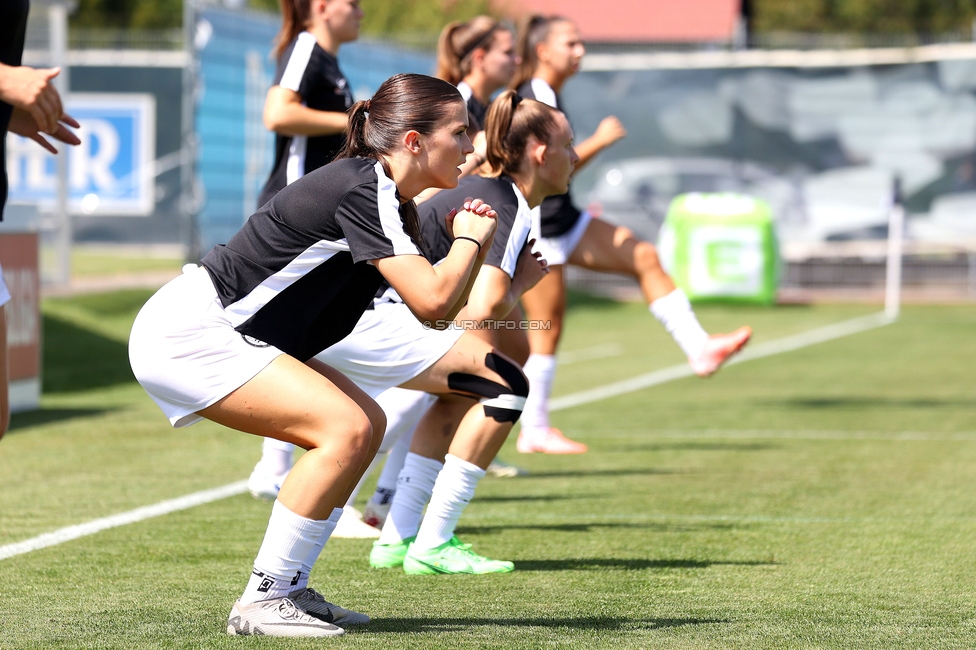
(469,239)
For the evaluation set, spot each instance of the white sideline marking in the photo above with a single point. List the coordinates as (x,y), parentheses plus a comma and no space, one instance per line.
(800,434)
(588,354)
(132,516)
(777,346)
(770,348)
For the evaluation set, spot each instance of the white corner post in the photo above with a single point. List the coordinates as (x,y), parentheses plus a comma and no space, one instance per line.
(896,232)
(57,17)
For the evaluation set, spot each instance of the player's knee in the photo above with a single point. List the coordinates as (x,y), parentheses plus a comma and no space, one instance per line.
(377,420)
(503,402)
(645,258)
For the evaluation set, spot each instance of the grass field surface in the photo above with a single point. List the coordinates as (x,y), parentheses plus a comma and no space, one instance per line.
(822,498)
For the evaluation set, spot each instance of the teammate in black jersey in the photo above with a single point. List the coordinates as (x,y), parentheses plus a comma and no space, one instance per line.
(531,154)
(30,106)
(306,108)
(307,103)
(550,50)
(233,341)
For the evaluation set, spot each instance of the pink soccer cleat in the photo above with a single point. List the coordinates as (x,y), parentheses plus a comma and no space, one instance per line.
(551,442)
(718,349)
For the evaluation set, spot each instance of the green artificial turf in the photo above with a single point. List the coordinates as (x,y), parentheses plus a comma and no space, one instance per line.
(822,498)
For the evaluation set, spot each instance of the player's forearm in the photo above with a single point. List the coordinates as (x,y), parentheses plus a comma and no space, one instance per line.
(294,119)
(443,293)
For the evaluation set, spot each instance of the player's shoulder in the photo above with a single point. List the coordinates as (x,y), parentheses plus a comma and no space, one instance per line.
(496,191)
(343,175)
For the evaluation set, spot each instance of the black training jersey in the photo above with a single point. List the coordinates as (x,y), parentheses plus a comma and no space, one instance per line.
(297,274)
(511,232)
(314,74)
(477,112)
(13,27)
(558,215)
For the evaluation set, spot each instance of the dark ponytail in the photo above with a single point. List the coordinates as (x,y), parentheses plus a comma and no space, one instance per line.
(404,102)
(458,41)
(510,123)
(295,15)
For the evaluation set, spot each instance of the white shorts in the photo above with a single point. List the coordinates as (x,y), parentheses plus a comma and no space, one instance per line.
(556,250)
(4,291)
(388,347)
(185,352)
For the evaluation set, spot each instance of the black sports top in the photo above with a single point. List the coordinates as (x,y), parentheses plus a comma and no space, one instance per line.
(13,27)
(314,74)
(558,215)
(476,110)
(296,275)
(511,232)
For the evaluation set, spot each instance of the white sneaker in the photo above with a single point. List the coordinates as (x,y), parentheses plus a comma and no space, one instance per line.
(316,605)
(501,469)
(718,349)
(351,525)
(265,486)
(277,617)
(375,514)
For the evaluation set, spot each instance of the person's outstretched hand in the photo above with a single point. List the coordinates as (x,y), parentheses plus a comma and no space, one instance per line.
(23,123)
(32,89)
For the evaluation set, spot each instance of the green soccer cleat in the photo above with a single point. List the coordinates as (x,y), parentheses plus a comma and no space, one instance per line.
(388,556)
(451,557)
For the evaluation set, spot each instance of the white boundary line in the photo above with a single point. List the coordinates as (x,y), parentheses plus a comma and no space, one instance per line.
(778,346)
(132,516)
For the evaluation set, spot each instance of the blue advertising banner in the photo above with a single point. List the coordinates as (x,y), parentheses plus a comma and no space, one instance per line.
(110,173)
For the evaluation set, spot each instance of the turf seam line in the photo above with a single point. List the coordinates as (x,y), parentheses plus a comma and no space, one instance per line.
(777,346)
(759,351)
(132,516)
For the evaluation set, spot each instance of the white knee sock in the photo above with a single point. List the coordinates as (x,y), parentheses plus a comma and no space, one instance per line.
(313,555)
(675,314)
(540,370)
(414,487)
(289,539)
(453,491)
(386,485)
(276,456)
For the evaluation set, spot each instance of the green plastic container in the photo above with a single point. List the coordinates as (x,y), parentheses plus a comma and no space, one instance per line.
(721,247)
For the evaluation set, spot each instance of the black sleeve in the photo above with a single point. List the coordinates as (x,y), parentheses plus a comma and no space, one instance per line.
(434,230)
(293,71)
(370,220)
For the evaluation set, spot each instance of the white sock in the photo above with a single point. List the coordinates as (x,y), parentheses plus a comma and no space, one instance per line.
(276,456)
(675,314)
(386,484)
(278,566)
(313,555)
(539,369)
(453,491)
(414,487)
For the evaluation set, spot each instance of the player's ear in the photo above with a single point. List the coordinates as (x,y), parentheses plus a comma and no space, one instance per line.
(411,141)
(537,152)
(478,56)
